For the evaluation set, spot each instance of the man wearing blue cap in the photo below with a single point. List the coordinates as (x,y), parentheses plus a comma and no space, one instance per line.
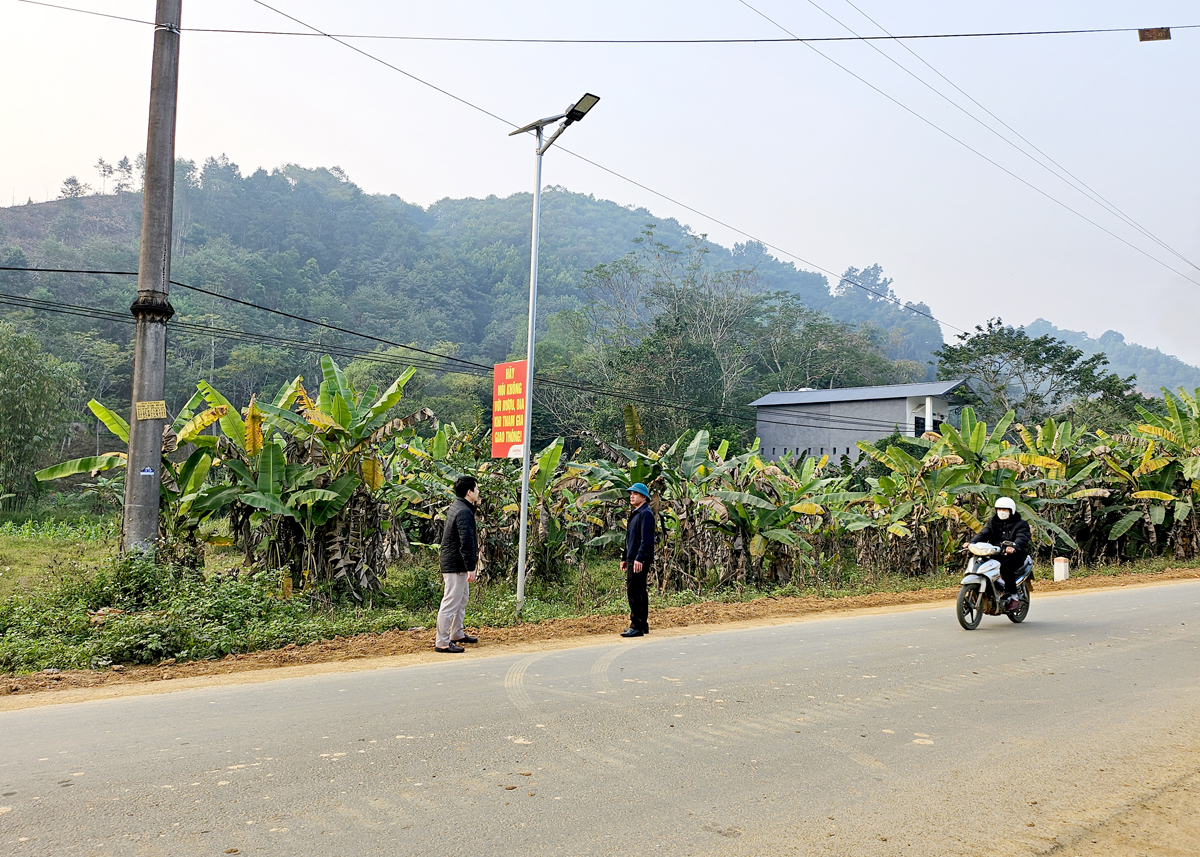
(635,562)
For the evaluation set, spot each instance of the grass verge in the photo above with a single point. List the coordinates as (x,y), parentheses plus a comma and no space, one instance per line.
(74,606)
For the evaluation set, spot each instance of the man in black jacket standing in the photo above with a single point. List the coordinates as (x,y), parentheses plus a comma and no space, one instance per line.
(1007,525)
(635,562)
(459,560)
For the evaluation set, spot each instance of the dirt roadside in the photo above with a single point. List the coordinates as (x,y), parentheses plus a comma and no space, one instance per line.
(397,648)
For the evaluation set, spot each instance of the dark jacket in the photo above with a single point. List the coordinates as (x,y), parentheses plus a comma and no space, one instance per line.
(1013,530)
(639,537)
(460,544)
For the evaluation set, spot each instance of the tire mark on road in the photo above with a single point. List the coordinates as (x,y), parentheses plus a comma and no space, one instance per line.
(514,683)
(599,671)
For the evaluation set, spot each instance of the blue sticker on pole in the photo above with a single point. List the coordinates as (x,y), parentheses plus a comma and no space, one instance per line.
(147,471)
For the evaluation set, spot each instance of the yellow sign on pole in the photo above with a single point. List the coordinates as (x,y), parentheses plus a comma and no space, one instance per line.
(151,410)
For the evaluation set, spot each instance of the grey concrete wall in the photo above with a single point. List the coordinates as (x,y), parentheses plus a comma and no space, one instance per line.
(829,428)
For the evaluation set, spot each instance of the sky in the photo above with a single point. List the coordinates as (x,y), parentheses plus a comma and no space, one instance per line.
(851,158)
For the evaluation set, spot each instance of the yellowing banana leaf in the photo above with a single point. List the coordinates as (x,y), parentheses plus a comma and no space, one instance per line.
(808,508)
(1090,492)
(320,419)
(372,473)
(1034,460)
(1152,465)
(1165,434)
(254,427)
(1153,495)
(961,515)
(231,423)
(189,430)
(898,529)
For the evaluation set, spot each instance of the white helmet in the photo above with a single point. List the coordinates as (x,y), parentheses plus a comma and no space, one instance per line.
(1006,503)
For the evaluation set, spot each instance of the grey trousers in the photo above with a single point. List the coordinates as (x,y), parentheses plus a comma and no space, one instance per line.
(453,609)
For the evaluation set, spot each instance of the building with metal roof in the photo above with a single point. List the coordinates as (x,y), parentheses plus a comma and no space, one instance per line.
(831,422)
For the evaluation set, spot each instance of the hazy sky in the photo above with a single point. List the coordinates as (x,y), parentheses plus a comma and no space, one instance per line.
(772,139)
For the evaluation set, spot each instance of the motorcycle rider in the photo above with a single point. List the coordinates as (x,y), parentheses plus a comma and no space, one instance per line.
(1007,525)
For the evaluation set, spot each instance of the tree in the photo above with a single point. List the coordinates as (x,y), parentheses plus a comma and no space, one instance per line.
(124,170)
(105,170)
(1036,378)
(801,347)
(73,188)
(35,391)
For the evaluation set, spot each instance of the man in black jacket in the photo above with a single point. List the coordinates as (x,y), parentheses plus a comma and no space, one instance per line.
(635,561)
(459,560)
(1007,525)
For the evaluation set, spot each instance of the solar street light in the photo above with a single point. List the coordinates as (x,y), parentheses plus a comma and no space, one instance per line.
(573,113)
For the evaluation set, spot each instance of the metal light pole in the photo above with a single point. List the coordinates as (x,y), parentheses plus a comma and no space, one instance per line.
(573,114)
(152,309)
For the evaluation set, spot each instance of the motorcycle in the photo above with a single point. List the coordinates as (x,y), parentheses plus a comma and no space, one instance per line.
(982,589)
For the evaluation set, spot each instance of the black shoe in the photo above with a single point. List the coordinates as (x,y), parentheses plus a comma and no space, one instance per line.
(450,649)
(632,632)
(465,638)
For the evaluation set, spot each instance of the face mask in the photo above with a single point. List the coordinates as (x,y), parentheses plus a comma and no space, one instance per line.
(1003,514)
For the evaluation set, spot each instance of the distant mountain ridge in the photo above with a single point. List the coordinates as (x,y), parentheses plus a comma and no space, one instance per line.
(1153,368)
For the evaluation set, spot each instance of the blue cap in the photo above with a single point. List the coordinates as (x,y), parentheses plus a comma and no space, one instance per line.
(640,488)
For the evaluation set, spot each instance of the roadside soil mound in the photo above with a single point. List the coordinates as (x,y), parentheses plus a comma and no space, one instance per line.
(550,632)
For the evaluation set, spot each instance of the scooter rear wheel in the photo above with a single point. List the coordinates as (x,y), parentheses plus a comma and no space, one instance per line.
(1021,612)
(970,607)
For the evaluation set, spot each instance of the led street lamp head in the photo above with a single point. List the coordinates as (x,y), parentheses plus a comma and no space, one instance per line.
(581,107)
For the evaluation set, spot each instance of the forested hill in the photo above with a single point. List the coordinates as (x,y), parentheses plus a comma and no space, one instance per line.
(1153,368)
(455,272)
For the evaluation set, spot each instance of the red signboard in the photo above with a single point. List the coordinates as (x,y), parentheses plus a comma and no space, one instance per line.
(508,410)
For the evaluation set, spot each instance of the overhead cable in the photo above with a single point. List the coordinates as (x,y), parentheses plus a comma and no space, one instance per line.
(975,151)
(1053,167)
(827,421)
(560,41)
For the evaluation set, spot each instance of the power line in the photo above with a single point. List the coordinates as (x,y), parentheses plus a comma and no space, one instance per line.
(1061,173)
(883,295)
(530,41)
(975,151)
(340,39)
(812,421)
(841,279)
(271,310)
(476,369)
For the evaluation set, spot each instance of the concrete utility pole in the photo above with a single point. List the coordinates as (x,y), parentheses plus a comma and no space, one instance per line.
(152,309)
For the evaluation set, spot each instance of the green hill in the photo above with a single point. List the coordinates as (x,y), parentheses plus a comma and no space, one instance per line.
(1153,368)
(452,276)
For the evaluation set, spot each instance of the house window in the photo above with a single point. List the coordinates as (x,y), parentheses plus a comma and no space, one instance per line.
(937,424)
(918,426)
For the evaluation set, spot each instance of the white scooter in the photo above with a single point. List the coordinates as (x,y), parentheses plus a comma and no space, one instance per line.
(982,589)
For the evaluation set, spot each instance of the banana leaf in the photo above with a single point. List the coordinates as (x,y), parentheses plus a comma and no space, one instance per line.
(268,503)
(90,464)
(115,423)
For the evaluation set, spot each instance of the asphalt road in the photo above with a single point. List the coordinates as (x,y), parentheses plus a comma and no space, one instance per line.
(869,734)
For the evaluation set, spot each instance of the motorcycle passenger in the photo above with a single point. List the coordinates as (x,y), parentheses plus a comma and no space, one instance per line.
(1007,525)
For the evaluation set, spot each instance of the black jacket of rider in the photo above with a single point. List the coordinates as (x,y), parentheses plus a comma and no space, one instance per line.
(1014,530)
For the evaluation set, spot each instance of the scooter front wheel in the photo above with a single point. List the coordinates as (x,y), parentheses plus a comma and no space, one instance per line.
(970,607)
